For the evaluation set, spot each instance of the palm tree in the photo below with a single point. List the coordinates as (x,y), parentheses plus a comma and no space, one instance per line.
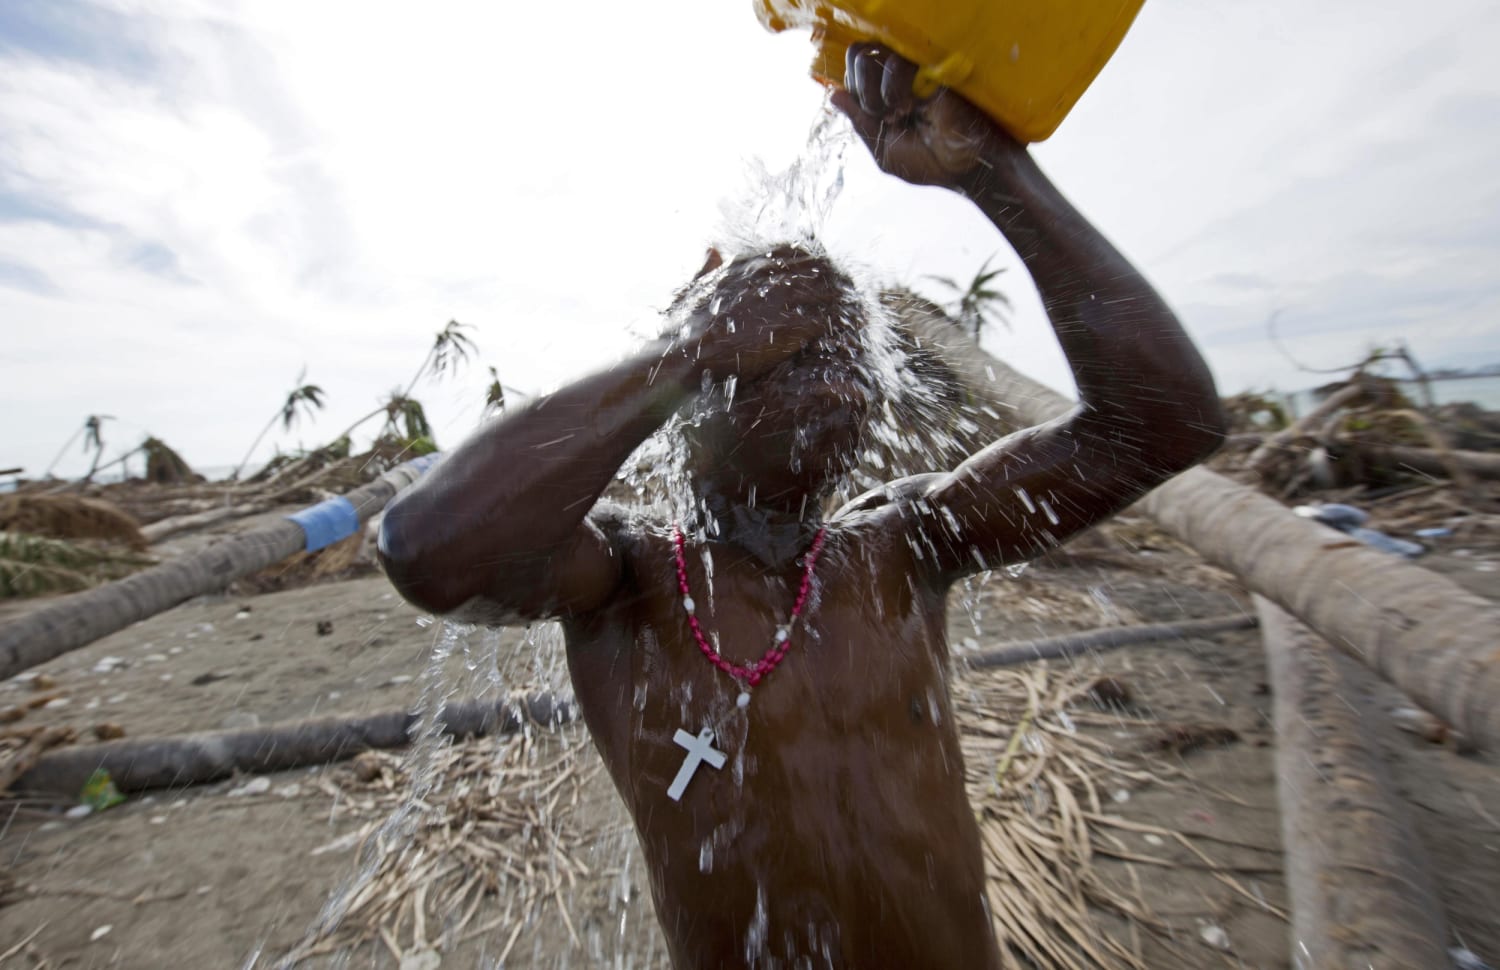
(94,439)
(494,395)
(123,460)
(164,465)
(91,427)
(450,347)
(302,398)
(405,418)
(977,304)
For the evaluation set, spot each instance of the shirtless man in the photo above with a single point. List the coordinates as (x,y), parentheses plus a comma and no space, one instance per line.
(825,823)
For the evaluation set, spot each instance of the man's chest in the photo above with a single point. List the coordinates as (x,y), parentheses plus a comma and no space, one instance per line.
(777,680)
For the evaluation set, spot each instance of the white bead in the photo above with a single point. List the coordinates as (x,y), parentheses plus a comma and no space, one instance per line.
(782,634)
(687,604)
(744,699)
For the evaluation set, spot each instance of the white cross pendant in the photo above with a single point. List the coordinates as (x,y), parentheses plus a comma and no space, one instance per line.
(699,749)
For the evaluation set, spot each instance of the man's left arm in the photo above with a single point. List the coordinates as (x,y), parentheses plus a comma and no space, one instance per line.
(1147,407)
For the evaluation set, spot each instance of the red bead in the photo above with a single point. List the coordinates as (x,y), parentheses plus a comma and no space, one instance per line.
(768,661)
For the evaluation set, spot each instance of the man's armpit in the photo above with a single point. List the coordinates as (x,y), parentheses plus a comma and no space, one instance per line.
(579,578)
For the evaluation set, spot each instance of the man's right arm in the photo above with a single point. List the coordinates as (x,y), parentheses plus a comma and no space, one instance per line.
(505,517)
(502,524)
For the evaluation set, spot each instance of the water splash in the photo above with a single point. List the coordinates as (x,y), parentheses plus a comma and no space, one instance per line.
(791,206)
(436,688)
(921,422)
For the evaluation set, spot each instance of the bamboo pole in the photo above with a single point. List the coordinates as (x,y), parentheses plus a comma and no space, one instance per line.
(137,764)
(77,620)
(1362,895)
(1105,638)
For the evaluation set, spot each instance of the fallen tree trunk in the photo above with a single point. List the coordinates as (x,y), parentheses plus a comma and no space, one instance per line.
(74,621)
(194,759)
(1419,630)
(178,524)
(1428,461)
(1106,638)
(1361,892)
(1424,633)
(21,760)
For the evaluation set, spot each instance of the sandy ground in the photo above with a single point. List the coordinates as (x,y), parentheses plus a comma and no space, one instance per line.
(218,876)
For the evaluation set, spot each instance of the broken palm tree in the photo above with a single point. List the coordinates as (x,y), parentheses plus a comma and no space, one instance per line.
(1361,891)
(142,764)
(74,621)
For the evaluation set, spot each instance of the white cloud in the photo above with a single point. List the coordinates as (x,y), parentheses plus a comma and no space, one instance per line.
(267,184)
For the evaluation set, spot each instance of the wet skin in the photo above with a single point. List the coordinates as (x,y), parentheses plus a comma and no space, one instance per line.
(838,830)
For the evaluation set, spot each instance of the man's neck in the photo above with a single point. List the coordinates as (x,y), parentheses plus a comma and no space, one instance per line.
(774,536)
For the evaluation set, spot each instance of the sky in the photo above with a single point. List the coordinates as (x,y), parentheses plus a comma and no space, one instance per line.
(199,199)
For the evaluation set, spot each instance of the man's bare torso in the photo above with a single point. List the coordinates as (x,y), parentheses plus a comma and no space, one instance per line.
(838,828)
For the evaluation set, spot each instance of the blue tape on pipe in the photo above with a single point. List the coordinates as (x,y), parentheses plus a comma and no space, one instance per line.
(327,522)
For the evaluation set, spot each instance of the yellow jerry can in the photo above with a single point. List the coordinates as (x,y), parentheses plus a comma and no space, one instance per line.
(1025,62)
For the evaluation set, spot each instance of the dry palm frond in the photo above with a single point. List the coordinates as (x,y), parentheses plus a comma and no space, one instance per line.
(500,837)
(164,466)
(1035,781)
(1027,777)
(69,517)
(499,832)
(32,565)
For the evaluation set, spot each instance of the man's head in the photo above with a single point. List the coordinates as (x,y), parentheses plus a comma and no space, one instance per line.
(793,432)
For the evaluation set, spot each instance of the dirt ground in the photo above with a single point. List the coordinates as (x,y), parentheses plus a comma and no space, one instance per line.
(234,874)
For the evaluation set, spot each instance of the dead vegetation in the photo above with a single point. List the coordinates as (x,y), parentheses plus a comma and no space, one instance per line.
(64,543)
(346,559)
(501,833)
(500,837)
(1364,433)
(69,517)
(34,566)
(164,466)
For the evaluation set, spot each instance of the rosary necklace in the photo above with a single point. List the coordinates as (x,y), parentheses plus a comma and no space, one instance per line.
(700,747)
